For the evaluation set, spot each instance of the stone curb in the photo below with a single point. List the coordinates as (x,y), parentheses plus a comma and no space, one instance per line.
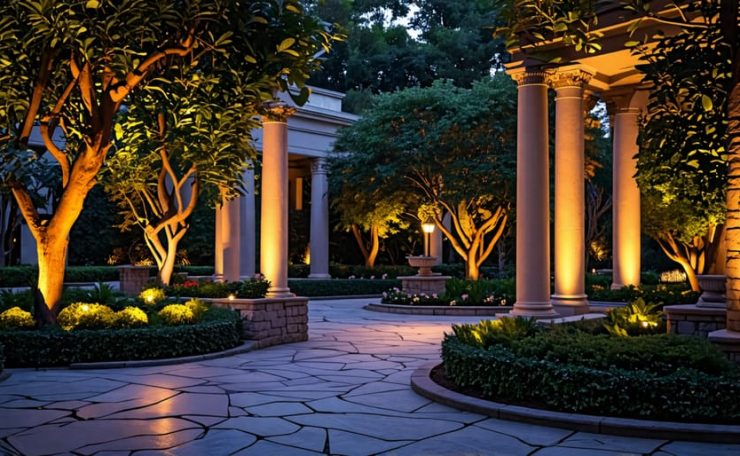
(4,376)
(715,433)
(247,346)
(449,311)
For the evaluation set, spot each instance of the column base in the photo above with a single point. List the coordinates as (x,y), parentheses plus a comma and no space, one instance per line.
(319,276)
(542,309)
(274,292)
(570,305)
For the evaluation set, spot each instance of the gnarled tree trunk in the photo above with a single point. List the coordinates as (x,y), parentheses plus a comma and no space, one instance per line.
(370,248)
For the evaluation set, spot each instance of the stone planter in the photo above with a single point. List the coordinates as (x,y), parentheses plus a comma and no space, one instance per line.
(132,279)
(271,321)
(713,291)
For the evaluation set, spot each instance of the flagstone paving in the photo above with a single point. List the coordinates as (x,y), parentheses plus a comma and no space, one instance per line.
(345,391)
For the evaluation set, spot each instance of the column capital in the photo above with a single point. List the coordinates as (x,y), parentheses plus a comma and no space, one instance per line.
(569,78)
(277,111)
(319,166)
(528,76)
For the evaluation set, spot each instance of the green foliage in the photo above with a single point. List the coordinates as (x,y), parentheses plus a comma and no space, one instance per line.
(131,317)
(103,293)
(396,296)
(16,318)
(340,287)
(445,39)
(636,318)
(82,315)
(177,314)
(685,394)
(152,296)
(488,333)
(197,307)
(664,294)
(247,289)
(59,348)
(480,292)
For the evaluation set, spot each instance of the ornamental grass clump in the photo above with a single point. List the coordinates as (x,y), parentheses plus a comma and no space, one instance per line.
(83,315)
(16,318)
(176,314)
(131,317)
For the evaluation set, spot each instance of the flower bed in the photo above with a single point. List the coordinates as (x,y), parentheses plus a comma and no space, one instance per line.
(341,287)
(91,332)
(458,292)
(206,288)
(661,377)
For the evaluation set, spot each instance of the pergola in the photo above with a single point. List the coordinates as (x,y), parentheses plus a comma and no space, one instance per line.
(610,75)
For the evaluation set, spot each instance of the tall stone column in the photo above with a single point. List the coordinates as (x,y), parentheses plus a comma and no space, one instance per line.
(570,211)
(274,220)
(626,108)
(319,220)
(532,198)
(248,234)
(435,246)
(226,265)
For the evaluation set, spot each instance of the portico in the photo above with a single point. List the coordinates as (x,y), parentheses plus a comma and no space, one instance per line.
(294,144)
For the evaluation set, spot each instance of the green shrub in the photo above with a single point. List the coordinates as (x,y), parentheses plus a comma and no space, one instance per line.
(663,294)
(102,293)
(341,287)
(176,314)
(482,292)
(491,332)
(247,289)
(131,317)
(58,348)
(16,318)
(506,375)
(198,308)
(634,319)
(152,296)
(83,315)
(10,299)
(253,289)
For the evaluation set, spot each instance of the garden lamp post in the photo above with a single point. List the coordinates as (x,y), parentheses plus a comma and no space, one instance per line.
(427,227)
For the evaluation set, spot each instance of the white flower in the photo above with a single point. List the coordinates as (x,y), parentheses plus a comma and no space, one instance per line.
(453,303)
(372,277)
(434,295)
(464,297)
(385,295)
(352,277)
(384,276)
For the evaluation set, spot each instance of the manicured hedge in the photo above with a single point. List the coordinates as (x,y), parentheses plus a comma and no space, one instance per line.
(341,287)
(59,348)
(681,395)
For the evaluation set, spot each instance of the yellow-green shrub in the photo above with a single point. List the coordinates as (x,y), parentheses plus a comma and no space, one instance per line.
(198,307)
(83,315)
(16,318)
(152,296)
(176,314)
(131,317)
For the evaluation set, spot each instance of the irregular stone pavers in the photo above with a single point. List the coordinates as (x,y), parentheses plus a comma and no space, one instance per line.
(345,391)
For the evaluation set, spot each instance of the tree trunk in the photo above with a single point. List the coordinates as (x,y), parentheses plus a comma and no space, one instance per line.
(52,257)
(691,276)
(472,271)
(168,265)
(374,247)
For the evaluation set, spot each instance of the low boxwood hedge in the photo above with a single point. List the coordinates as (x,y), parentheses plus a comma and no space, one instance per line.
(682,394)
(341,287)
(55,347)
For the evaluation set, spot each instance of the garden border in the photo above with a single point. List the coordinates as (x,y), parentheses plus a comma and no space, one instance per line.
(422,383)
(245,347)
(452,311)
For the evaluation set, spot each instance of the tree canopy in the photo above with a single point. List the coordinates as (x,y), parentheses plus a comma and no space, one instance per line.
(452,147)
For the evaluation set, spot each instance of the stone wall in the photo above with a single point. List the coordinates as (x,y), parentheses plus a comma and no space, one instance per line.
(271,321)
(690,320)
(132,279)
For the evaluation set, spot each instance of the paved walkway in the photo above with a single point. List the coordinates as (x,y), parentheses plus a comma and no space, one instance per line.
(346,391)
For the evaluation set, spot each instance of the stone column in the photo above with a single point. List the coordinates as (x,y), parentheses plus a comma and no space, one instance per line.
(319,220)
(435,247)
(570,205)
(532,198)
(226,267)
(248,234)
(626,107)
(274,220)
